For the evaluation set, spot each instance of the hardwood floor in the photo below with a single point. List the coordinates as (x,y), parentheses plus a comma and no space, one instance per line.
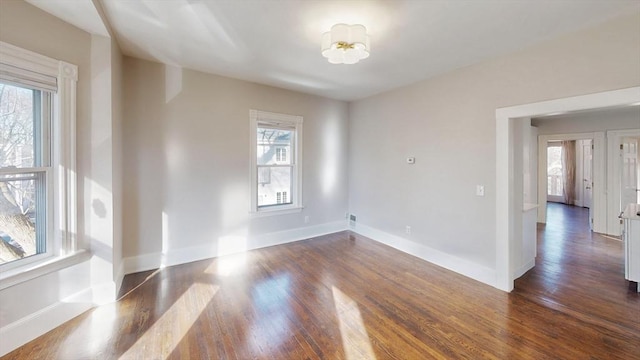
(343,296)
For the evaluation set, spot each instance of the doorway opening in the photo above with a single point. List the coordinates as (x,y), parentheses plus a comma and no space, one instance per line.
(508,200)
(569,182)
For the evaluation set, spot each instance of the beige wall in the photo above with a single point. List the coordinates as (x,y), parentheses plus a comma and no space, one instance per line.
(448,123)
(186,156)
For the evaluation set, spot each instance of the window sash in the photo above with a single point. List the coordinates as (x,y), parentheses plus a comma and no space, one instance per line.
(44,212)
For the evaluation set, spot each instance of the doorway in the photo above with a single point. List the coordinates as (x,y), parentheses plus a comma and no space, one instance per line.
(569,167)
(508,200)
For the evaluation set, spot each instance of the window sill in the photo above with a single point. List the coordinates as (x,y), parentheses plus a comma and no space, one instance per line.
(31,271)
(277,211)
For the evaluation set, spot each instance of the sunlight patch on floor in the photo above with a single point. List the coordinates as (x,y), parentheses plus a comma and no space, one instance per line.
(355,339)
(165,335)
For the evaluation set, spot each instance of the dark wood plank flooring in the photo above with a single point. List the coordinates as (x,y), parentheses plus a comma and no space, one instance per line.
(343,296)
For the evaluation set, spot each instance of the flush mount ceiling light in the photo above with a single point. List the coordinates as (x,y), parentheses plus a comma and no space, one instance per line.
(345,44)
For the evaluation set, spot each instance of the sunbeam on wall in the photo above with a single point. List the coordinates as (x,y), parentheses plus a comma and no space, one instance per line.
(331,153)
(233,254)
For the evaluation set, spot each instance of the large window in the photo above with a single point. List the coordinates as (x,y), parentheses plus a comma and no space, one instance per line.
(37,163)
(25,172)
(275,157)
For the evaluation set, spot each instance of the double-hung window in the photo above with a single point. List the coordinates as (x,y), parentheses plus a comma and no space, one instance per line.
(25,172)
(37,159)
(276,171)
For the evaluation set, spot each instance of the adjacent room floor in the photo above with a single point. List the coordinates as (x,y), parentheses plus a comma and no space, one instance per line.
(344,296)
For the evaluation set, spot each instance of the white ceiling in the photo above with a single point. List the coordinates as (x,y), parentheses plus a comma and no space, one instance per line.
(277,42)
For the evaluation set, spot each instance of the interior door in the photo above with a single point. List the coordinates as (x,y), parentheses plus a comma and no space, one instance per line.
(587,181)
(630,179)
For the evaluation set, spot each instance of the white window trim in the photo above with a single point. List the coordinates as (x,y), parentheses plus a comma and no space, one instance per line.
(257,116)
(63,162)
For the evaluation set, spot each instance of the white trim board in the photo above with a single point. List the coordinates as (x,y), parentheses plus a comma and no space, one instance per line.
(195,253)
(450,262)
(506,198)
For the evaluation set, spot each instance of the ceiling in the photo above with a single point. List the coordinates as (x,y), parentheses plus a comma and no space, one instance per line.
(277,42)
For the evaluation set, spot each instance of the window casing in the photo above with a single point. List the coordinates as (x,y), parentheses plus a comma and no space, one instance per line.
(44,164)
(276,169)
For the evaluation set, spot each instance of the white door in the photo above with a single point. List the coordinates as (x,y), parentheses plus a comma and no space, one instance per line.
(587,181)
(630,179)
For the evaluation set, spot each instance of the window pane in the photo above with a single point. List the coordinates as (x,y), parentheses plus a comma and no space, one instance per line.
(280,184)
(22,216)
(19,127)
(274,146)
(554,171)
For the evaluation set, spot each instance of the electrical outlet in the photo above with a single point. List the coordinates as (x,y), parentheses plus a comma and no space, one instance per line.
(407,229)
(480,190)
(306,219)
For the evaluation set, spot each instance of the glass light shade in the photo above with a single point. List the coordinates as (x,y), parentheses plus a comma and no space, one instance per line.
(345,44)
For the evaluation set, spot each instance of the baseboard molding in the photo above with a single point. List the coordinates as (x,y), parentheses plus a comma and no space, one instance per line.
(461,266)
(36,324)
(30,327)
(524,268)
(186,255)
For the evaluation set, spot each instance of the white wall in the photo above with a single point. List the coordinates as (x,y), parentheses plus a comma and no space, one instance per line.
(448,123)
(33,307)
(186,156)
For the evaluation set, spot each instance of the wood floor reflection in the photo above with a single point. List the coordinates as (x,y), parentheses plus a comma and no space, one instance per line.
(344,296)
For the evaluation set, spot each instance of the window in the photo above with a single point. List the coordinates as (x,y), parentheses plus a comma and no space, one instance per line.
(554,170)
(25,172)
(281,197)
(275,157)
(281,154)
(37,160)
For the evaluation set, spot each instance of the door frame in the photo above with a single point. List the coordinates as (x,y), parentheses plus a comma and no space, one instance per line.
(614,139)
(599,195)
(581,169)
(508,202)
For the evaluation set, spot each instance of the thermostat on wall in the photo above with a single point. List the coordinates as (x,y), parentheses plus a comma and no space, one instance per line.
(411,160)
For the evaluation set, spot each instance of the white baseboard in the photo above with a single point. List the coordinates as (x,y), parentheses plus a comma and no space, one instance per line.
(181,256)
(461,266)
(30,327)
(524,268)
